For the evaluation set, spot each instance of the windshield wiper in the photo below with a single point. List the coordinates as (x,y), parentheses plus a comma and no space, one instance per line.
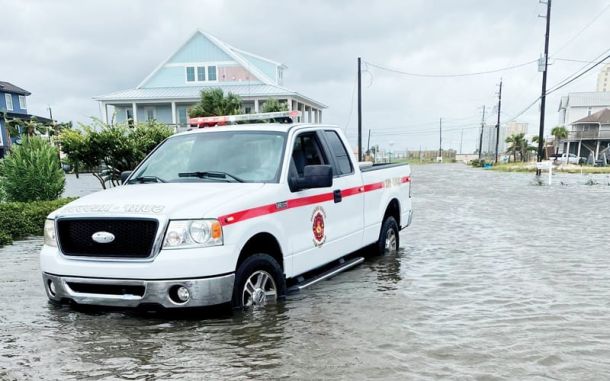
(213,174)
(146,179)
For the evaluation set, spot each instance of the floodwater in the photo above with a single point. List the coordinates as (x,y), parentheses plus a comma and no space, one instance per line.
(498,278)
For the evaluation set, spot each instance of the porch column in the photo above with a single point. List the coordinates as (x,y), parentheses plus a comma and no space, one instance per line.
(579,145)
(289,101)
(256,106)
(301,107)
(315,116)
(174,114)
(309,114)
(320,118)
(135,113)
(568,153)
(597,150)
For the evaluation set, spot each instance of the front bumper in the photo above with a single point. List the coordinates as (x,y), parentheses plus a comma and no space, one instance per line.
(137,292)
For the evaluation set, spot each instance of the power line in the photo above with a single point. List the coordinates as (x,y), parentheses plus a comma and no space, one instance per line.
(559,86)
(426,132)
(450,75)
(351,109)
(582,30)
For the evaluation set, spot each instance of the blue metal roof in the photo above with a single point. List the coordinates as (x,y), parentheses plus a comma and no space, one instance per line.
(166,94)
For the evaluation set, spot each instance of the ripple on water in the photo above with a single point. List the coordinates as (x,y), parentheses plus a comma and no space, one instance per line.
(496,279)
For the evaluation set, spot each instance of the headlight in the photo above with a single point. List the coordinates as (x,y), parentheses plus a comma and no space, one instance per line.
(192,233)
(49,233)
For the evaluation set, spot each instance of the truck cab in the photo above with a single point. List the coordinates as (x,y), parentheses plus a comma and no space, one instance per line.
(221,215)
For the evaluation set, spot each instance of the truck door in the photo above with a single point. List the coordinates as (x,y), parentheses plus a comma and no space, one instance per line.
(322,226)
(347,183)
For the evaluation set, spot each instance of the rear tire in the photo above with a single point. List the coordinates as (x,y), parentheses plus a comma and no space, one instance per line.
(389,240)
(259,280)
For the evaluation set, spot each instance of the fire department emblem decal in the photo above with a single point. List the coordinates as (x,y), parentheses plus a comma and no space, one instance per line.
(317,218)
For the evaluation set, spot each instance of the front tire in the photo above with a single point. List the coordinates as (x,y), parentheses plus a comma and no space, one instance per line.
(389,240)
(259,280)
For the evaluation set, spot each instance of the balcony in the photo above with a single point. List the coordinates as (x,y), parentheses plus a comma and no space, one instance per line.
(589,135)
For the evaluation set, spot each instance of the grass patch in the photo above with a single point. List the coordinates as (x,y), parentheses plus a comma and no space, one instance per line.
(22,219)
(531,167)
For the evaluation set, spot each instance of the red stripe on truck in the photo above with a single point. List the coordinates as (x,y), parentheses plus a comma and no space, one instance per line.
(246,214)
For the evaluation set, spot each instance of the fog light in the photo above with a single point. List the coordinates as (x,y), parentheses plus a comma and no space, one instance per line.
(52,288)
(183,294)
(179,294)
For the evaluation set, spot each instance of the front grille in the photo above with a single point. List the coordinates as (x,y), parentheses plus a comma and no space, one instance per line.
(107,289)
(133,238)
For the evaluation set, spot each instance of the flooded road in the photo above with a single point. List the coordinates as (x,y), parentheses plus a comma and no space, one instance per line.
(497,278)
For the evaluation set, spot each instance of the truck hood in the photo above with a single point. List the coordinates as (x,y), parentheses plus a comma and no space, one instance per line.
(174,200)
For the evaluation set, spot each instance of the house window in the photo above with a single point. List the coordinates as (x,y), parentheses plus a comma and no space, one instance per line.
(211,73)
(200,73)
(9,101)
(22,104)
(129,116)
(150,113)
(190,74)
(182,116)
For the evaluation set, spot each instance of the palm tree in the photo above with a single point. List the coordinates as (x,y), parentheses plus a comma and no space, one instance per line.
(213,102)
(516,143)
(559,133)
(273,105)
(527,148)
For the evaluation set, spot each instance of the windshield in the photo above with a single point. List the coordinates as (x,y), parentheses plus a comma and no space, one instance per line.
(227,156)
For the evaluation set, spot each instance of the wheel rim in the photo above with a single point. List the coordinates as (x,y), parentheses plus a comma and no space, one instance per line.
(259,289)
(390,242)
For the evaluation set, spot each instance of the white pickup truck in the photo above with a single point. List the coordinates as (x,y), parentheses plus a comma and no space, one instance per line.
(233,214)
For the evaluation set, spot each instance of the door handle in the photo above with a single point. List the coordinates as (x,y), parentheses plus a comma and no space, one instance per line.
(337,195)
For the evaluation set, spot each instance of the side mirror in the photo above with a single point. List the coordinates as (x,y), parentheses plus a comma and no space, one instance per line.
(124,176)
(314,176)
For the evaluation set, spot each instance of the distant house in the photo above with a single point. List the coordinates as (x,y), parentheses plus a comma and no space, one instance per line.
(575,106)
(13,105)
(587,117)
(204,62)
(590,136)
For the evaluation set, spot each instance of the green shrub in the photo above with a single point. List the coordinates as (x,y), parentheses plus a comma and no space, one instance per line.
(2,192)
(32,172)
(109,149)
(22,219)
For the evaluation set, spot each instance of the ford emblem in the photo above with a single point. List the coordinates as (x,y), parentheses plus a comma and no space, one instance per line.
(103,237)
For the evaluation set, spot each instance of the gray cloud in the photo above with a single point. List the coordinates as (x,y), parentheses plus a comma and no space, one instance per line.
(66,52)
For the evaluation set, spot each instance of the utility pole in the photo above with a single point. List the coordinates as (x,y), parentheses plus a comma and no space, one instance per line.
(461,140)
(440,139)
(368,142)
(359,110)
(481,137)
(498,123)
(543,92)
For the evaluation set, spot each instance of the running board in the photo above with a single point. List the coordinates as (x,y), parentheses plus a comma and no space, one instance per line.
(345,265)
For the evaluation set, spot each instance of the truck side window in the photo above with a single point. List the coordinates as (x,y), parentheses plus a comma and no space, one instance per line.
(344,164)
(307,151)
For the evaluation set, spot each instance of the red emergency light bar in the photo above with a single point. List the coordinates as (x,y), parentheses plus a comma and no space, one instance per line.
(274,117)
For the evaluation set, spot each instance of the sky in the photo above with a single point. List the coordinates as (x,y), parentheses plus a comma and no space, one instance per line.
(67,52)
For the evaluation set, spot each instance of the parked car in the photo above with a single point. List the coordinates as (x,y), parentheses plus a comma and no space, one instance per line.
(571,159)
(232,214)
